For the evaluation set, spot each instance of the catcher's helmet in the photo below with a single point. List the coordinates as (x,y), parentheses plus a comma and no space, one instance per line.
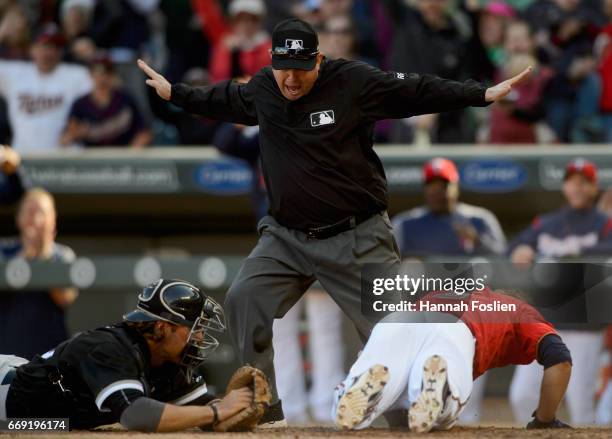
(181,303)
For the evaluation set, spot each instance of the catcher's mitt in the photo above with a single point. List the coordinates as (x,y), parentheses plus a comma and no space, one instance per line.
(247,419)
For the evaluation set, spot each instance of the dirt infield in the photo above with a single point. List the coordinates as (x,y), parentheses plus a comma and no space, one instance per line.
(320,432)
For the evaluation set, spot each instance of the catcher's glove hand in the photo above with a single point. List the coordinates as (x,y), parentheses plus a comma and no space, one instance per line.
(555,423)
(247,419)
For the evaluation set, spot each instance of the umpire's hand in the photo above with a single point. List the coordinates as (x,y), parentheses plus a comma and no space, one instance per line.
(501,90)
(157,81)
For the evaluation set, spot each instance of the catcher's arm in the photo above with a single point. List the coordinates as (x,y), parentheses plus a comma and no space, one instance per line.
(176,418)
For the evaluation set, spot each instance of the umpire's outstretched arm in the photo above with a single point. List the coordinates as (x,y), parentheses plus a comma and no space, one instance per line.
(378,94)
(227,101)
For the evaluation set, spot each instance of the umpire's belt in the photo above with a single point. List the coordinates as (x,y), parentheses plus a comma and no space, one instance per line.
(348,223)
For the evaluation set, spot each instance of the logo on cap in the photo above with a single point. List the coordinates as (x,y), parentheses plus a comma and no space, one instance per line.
(322,118)
(294,44)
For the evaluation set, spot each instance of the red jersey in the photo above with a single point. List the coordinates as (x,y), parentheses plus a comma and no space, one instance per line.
(507,330)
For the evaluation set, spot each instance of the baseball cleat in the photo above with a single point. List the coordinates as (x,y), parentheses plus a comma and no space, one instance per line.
(424,412)
(360,400)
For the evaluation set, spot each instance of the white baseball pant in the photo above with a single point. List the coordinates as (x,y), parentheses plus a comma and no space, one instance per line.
(404,348)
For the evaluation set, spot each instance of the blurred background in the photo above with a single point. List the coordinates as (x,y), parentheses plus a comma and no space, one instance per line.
(134,189)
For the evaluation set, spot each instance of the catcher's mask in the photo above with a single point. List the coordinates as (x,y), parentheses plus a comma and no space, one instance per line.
(181,303)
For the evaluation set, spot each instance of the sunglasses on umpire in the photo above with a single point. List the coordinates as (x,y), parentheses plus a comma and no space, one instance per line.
(299,54)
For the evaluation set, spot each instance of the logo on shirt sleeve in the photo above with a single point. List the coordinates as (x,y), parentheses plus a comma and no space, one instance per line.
(322,118)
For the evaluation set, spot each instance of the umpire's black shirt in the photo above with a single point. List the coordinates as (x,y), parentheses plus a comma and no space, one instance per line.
(316,152)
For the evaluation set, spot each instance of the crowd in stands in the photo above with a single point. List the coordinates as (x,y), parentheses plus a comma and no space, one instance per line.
(68,75)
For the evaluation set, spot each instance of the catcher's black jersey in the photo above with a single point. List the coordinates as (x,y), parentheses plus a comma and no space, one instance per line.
(100,372)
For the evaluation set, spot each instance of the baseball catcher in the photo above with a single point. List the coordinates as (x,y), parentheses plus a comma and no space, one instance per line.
(142,372)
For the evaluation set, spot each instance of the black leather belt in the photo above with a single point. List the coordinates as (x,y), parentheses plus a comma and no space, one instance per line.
(348,223)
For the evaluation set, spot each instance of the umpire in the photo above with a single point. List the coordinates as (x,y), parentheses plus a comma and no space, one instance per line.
(326,185)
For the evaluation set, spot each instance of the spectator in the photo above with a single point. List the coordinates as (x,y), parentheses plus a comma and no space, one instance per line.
(361,12)
(39,94)
(11,184)
(107,116)
(241,48)
(485,49)
(429,39)
(518,39)
(603,47)
(565,31)
(317,12)
(75,18)
(338,39)
(326,357)
(576,230)
(514,119)
(32,323)
(444,226)
(185,42)
(122,28)
(190,129)
(14,34)
(277,11)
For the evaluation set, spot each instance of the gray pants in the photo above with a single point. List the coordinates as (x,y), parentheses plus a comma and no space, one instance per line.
(282,266)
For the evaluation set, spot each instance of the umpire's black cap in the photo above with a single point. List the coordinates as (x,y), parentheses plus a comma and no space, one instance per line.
(295,45)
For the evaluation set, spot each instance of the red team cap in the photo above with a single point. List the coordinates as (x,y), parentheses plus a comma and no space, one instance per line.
(583,167)
(440,168)
(51,35)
